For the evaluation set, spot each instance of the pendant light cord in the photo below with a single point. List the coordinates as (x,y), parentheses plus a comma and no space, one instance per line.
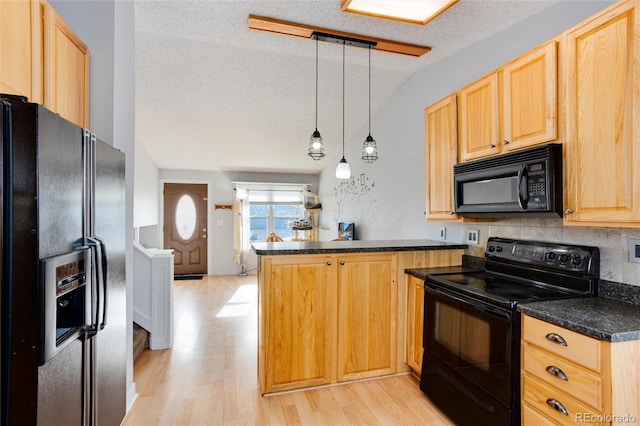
(317,84)
(369,90)
(343,47)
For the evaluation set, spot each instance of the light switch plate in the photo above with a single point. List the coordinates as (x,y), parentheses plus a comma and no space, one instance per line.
(634,250)
(443,233)
(472,236)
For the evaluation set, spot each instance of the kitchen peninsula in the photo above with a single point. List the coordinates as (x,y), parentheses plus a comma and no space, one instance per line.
(335,311)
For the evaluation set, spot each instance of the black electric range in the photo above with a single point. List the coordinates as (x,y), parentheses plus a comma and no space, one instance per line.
(472,329)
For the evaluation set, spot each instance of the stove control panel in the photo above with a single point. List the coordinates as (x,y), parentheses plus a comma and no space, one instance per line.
(558,256)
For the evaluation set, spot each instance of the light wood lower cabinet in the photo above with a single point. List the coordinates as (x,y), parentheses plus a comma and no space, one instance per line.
(297,324)
(332,318)
(415,322)
(367,312)
(569,378)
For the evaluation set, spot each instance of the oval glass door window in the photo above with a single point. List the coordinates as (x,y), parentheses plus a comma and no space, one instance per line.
(186,217)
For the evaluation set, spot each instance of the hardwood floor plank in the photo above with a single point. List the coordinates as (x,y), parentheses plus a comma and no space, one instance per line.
(209,377)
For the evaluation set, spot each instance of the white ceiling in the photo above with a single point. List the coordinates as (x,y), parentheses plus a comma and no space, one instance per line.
(212,94)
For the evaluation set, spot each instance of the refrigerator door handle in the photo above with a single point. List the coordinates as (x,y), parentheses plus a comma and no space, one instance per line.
(96,285)
(103,282)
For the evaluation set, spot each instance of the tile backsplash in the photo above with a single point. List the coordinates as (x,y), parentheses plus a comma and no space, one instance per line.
(613,242)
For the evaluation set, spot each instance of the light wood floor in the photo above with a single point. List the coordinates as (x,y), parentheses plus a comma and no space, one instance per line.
(209,377)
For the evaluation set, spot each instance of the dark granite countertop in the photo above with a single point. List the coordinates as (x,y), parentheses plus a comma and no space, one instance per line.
(597,317)
(357,246)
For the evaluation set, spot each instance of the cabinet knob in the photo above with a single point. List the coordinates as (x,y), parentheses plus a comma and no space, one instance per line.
(505,142)
(493,146)
(452,213)
(556,338)
(568,211)
(555,371)
(329,263)
(557,405)
(342,262)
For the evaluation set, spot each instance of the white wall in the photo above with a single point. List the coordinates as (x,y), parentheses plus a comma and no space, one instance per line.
(387,199)
(145,195)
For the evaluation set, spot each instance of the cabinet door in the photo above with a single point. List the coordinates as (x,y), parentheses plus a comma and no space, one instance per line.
(479,119)
(66,70)
(20,49)
(530,98)
(415,322)
(442,153)
(299,321)
(367,316)
(602,154)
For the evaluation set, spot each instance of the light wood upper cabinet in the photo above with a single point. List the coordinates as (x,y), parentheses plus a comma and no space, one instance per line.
(442,153)
(479,118)
(530,98)
(66,64)
(21,49)
(602,148)
(367,311)
(415,322)
(512,108)
(298,322)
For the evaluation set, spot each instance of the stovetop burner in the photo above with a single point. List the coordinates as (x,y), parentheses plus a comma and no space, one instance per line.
(519,271)
(499,290)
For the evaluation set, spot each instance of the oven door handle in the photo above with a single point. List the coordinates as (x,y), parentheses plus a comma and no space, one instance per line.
(481,306)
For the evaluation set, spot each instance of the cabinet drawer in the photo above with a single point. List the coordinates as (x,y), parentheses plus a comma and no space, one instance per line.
(578,348)
(531,417)
(571,378)
(536,394)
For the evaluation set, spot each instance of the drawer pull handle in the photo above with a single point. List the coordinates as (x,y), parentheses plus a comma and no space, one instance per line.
(555,371)
(556,338)
(557,405)
(329,263)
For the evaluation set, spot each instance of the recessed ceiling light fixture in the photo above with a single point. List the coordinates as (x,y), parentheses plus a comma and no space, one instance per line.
(414,11)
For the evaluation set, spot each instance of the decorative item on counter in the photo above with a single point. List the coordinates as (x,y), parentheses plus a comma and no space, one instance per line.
(273,238)
(346,231)
(299,224)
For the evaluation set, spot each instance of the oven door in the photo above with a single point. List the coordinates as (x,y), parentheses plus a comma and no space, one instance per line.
(470,337)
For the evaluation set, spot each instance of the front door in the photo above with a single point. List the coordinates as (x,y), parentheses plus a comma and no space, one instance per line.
(185,226)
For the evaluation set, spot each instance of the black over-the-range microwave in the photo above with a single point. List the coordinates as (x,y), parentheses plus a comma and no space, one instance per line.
(525,183)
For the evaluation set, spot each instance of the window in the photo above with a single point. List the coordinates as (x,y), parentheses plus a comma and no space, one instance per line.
(267,218)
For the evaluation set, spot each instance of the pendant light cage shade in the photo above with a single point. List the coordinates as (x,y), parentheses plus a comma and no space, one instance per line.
(369,150)
(316,147)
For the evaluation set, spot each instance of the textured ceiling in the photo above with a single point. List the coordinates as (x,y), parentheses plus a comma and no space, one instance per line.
(213,95)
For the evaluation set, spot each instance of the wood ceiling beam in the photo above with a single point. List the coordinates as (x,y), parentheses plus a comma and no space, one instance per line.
(277,26)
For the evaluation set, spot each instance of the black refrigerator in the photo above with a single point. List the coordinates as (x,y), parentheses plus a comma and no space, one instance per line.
(63,306)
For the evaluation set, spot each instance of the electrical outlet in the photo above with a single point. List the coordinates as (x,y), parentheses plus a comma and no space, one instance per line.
(634,250)
(443,233)
(472,236)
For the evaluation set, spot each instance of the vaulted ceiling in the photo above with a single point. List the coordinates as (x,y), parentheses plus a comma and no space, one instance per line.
(211,94)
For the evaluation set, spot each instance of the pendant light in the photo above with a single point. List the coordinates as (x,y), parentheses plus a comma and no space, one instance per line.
(343,171)
(316,147)
(369,149)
